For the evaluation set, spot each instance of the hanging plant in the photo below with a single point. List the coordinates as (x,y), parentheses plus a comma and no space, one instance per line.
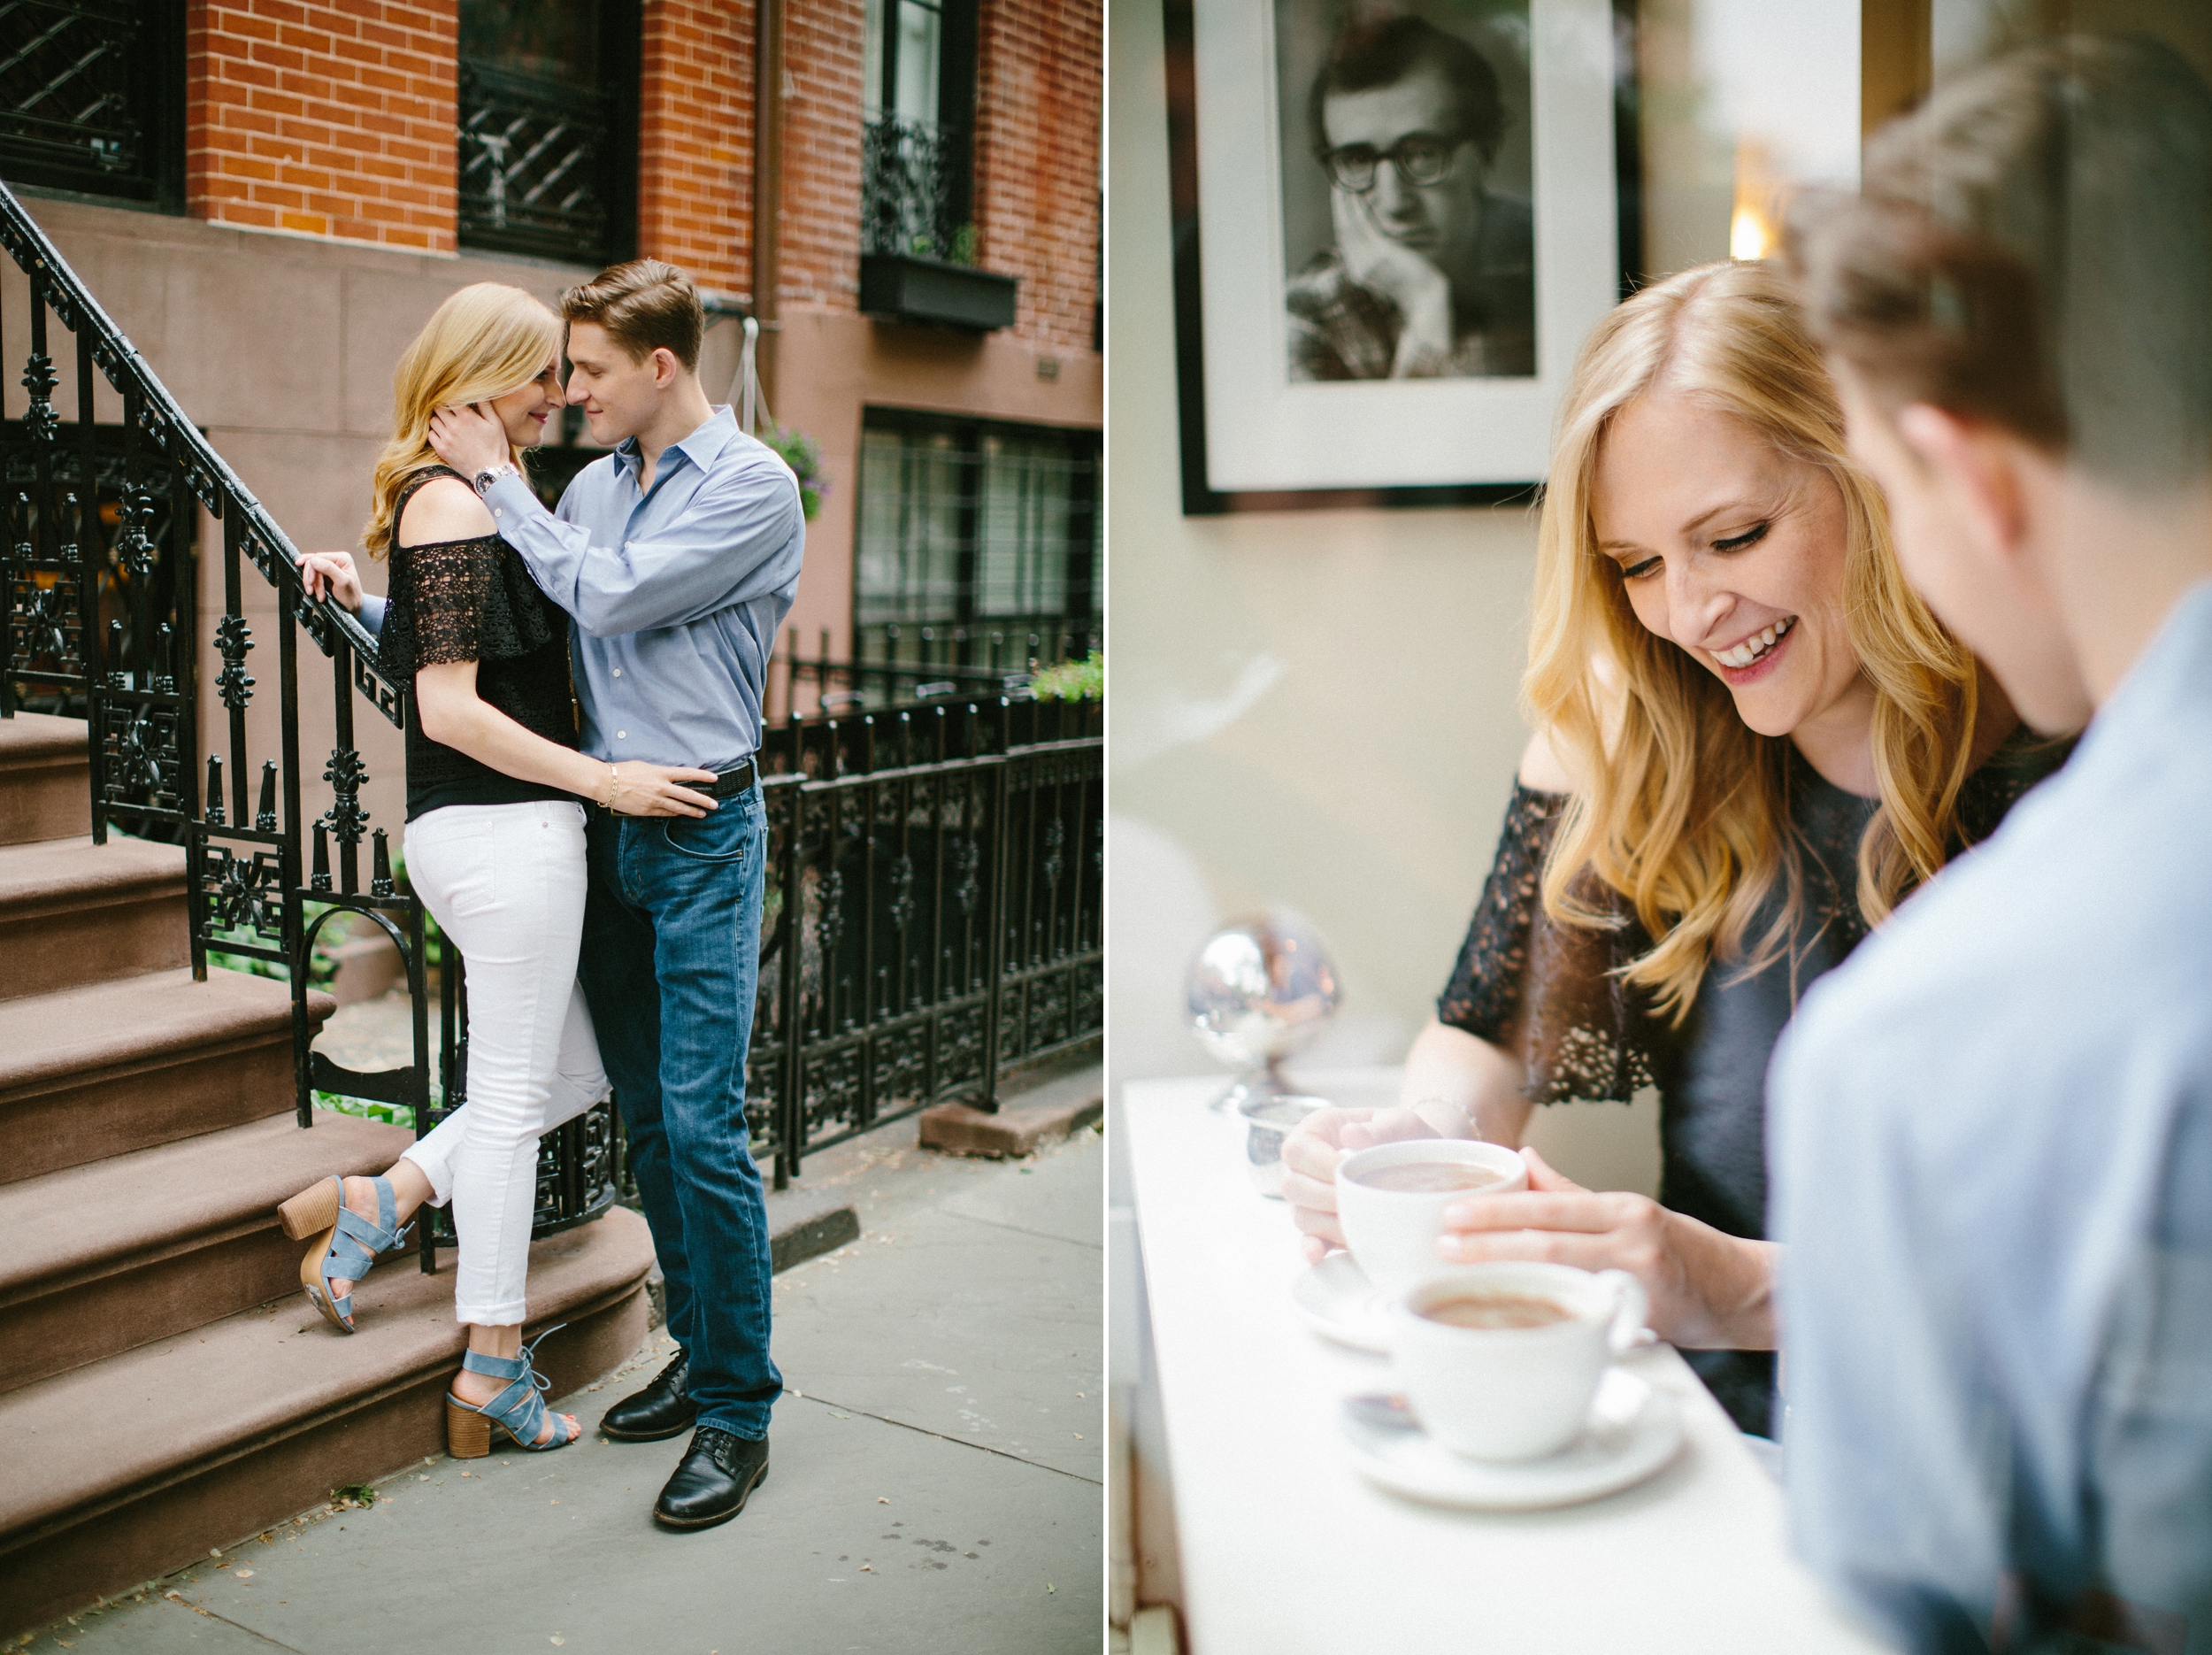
(803,455)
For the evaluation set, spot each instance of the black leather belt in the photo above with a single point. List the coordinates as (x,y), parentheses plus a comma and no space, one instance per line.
(731,783)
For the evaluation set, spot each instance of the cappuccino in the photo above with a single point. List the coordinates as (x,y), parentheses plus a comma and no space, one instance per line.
(1430,1177)
(1498,1310)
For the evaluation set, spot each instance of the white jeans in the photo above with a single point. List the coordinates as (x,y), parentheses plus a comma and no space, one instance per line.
(506,882)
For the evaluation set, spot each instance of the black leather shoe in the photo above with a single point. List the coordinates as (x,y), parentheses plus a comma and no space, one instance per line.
(661,1409)
(717,1474)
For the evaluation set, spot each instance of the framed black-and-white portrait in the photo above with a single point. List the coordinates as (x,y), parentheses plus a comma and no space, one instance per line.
(1396,221)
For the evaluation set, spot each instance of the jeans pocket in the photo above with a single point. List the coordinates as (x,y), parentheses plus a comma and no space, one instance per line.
(719,836)
(453,862)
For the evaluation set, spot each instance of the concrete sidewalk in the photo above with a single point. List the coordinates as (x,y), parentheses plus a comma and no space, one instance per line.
(936,1482)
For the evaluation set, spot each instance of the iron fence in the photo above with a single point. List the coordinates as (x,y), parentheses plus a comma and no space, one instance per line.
(894,663)
(537,159)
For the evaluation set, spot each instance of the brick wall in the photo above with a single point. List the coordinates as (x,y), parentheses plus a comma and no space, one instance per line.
(822,44)
(330,120)
(1038,87)
(695,139)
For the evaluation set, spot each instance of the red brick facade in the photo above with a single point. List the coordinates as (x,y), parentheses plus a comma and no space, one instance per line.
(1039,85)
(336,117)
(823,46)
(331,119)
(695,139)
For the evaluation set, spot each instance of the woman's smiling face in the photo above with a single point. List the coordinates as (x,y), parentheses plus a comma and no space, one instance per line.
(1735,552)
(525,409)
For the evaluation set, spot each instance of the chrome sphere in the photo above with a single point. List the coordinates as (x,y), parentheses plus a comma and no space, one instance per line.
(1259,991)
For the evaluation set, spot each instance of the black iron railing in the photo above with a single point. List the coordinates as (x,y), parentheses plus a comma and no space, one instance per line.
(913,193)
(933,916)
(895,664)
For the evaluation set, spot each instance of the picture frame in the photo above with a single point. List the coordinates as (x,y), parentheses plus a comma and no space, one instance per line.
(1288,404)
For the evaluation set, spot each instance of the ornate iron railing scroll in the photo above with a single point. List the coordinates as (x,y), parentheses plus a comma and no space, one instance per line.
(933,913)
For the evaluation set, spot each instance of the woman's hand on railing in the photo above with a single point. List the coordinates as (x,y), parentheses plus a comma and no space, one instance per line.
(332,572)
(637,788)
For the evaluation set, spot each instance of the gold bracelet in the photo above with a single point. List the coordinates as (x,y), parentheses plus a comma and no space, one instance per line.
(614,786)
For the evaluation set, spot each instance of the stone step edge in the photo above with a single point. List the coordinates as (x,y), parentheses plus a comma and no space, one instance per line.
(96,1260)
(41,735)
(438,1355)
(125,1057)
(93,876)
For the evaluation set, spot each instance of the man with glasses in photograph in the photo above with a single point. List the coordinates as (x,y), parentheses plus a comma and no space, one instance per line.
(1432,275)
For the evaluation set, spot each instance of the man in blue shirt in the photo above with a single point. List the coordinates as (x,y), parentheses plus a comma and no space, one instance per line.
(678,556)
(1991,1131)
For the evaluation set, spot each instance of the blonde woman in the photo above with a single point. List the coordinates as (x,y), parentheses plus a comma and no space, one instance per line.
(494,849)
(1754,741)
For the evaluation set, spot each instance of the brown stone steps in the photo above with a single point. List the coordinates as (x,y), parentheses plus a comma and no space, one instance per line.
(103,1257)
(112,1068)
(133,1466)
(73,912)
(45,780)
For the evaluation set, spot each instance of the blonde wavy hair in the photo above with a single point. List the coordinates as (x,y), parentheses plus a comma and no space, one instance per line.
(1679,806)
(485,340)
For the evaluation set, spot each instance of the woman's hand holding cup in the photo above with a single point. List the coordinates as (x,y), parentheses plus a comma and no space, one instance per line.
(1311,1156)
(1707,1290)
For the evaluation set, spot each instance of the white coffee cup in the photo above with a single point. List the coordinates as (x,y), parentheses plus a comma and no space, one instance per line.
(1392,1232)
(1513,1393)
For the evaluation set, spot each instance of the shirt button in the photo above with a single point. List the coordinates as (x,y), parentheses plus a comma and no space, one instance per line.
(617,672)
(622,735)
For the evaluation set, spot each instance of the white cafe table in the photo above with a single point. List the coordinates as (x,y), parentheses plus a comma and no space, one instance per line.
(1286,1550)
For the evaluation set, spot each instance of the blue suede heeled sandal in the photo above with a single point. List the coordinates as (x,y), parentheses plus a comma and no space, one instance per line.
(520,1411)
(345,1245)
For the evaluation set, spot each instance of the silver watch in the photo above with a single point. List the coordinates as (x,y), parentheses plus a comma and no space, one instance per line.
(491,474)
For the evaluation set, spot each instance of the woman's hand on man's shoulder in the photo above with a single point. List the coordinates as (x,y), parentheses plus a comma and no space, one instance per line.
(443,509)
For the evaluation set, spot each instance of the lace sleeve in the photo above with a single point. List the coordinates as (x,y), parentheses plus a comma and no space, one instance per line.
(1544,992)
(461,600)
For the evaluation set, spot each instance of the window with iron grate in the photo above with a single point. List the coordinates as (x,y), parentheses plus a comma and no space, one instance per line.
(92,98)
(917,185)
(548,100)
(969,530)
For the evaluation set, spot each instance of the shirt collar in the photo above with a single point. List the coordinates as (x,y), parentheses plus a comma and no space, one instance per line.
(702,446)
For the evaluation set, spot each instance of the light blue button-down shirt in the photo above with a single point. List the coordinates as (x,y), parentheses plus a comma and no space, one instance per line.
(677,592)
(1991,1137)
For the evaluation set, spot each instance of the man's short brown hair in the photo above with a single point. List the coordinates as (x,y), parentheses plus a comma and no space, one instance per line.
(645,306)
(2031,248)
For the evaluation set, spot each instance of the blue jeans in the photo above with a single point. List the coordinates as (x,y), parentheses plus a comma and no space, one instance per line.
(670,958)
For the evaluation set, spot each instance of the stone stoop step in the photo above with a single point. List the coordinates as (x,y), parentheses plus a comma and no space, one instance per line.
(112,1068)
(106,1256)
(1025,1120)
(73,912)
(45,780)
(133,1466)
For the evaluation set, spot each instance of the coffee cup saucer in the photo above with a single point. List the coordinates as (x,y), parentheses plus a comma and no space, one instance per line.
(1337,1301)
(1634,1428)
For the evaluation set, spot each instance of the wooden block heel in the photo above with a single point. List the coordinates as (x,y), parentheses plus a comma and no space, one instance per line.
(312,1210)
(468,1434)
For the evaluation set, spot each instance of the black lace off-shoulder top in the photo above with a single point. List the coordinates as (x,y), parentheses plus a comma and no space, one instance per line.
(473,600)
(1551,995)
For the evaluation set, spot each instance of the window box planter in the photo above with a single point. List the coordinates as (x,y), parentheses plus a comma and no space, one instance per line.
(905,288)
